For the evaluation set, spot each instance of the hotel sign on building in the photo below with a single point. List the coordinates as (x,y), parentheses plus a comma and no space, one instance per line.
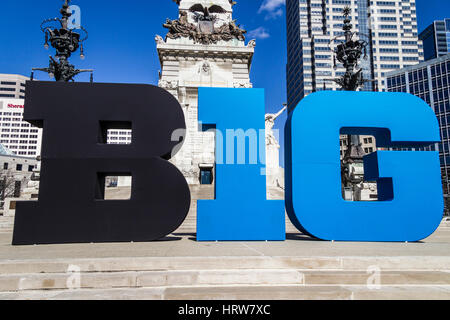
(17,135)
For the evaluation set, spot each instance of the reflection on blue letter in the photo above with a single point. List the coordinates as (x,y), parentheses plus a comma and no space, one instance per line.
(409,182)
(240,211)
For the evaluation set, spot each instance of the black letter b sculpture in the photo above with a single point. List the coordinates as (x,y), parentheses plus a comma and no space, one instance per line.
(76,158)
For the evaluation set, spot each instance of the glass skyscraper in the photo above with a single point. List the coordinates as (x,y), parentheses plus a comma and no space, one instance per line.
(436,39)
(430,81)
(390,28)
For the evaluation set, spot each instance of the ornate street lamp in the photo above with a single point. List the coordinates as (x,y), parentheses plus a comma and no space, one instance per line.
(348,52)
(65,41)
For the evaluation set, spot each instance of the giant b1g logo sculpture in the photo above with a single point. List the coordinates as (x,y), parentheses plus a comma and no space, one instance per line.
(76,159)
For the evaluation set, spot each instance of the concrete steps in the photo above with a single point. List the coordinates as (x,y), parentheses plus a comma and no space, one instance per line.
(228,278)
(213,278)
(201,263)
(238,292)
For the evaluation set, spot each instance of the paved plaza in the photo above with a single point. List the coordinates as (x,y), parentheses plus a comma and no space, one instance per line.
(185,245)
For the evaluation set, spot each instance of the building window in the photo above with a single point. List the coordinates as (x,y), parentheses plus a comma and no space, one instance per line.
(19,167)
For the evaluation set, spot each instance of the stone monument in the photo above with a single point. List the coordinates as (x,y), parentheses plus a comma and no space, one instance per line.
(204,47)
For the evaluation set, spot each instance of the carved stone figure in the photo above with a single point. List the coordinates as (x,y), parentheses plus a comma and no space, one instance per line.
(251,44)
(159,39)
(206,68)
(237,31)
(168,84)
(270,123)
(180,28)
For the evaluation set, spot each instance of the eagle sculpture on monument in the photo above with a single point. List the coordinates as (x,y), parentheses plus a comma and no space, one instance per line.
(197,21)
(230,1)
(206,12)
(204,16)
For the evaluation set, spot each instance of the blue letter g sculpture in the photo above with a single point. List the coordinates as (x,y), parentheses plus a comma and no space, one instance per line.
(409,182)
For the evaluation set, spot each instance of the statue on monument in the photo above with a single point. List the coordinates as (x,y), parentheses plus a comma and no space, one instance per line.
(270,123)
(237,31)
(179,28)
(274,173)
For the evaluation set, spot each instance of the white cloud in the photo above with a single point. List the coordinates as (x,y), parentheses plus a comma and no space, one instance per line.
(272,7)
(259,33)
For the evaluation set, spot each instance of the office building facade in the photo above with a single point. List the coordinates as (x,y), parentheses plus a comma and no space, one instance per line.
(430,81)
(436,39)
(17,135)
(12,86)
(389,28)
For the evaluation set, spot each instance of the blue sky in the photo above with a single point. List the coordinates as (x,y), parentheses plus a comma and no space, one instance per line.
(121,45)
